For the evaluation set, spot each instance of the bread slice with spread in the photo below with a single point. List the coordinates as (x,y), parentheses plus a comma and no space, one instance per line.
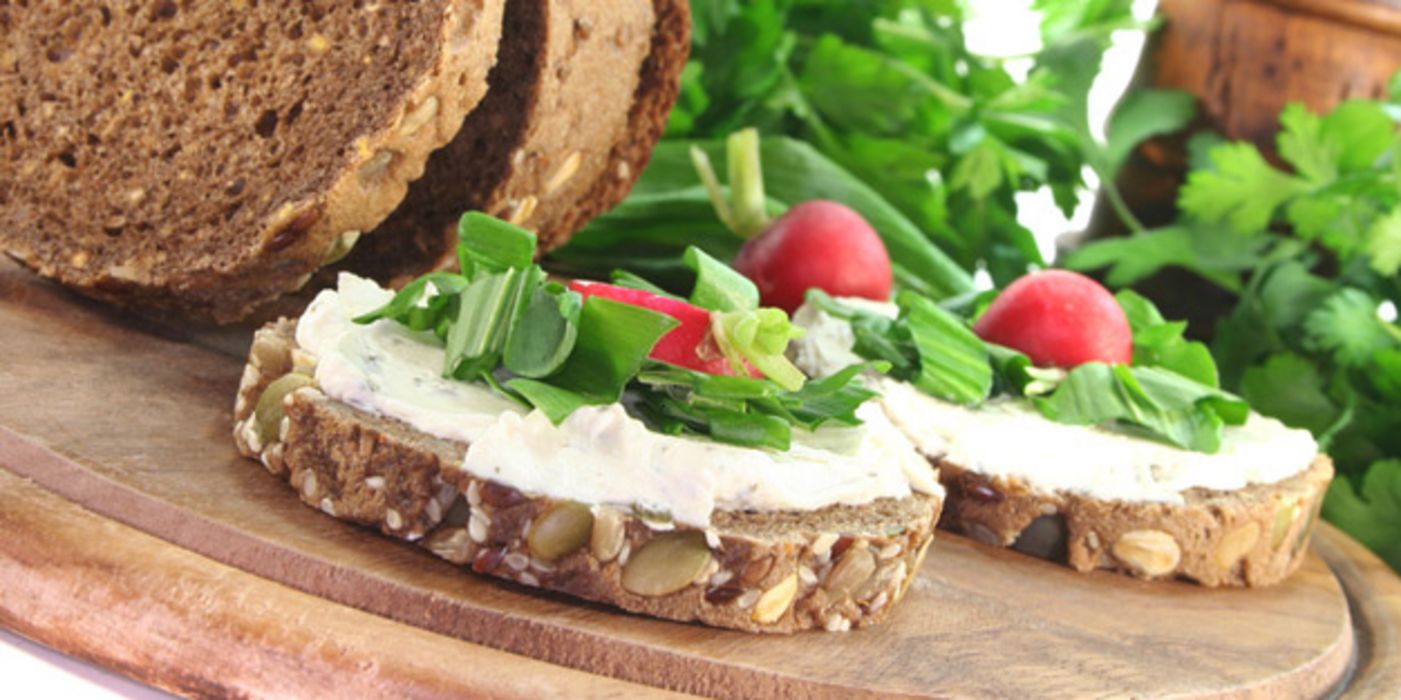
(1237,510)
(578,97)
(706,521)
(206,158)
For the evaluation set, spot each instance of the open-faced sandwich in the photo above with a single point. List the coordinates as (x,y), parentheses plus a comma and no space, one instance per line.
(607,441)
(1084,429)
(1065,422)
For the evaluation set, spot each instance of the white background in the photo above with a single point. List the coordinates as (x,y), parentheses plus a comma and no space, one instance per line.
(997,28)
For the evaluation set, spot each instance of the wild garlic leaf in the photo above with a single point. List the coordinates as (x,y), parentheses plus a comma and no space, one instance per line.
(1163,404)
(557,403)
(490,243)
(486,310)
(1158,343)
(1243,191)
(953,362)
(545,333)
(1347,327)
(613,343)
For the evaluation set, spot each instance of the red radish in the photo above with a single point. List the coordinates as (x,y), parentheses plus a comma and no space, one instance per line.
(820,244)
(1059,319)
(688,345)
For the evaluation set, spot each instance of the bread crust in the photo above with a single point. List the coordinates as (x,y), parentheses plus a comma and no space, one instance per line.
(295,239)
(578,100)
(1255,536)
(837,568)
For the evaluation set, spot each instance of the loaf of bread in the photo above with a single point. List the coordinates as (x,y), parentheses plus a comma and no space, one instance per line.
(204,158)
(580,94)
(834,568)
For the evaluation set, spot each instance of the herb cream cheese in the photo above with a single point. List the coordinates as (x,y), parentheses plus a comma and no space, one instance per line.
(1008,437)
(599,454)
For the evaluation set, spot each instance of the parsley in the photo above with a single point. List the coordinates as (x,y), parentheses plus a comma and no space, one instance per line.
(883,107)
(1311,253)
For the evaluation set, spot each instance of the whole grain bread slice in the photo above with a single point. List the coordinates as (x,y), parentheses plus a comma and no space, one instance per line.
(835,568)
(203,158)
(579,96)
(1255,536)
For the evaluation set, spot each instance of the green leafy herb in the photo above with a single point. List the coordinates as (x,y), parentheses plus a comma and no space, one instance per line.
(544,336)
(1371,510)
(1163,403)
(745,411)
(1347,327)
(1159,343)
(492,244)
(613,341)
(759,337)
(718,286)
(1313,251)
(883,107)
(486,314)
(953,363)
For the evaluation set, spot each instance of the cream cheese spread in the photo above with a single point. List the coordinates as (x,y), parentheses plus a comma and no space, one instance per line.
(600,454)
(1008,437)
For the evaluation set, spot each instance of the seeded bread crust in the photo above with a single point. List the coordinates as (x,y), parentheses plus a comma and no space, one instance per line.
(832,569)
(204,159)
(579,97)
(1256,536)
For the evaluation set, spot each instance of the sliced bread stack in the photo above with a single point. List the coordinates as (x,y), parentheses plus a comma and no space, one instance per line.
(204,159)
(567,126)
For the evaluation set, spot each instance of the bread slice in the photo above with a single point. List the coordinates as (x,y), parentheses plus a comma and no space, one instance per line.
(836,568)
(203,158)
(1255,536)
(579,96)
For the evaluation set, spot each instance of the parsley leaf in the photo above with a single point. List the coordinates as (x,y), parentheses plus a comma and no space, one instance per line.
(1346,326)
(1384,243)
(1371,509)
(1290,388)
(1243,191)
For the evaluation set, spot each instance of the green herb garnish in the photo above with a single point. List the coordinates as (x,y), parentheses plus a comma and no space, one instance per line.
(541,344)
(1169,394)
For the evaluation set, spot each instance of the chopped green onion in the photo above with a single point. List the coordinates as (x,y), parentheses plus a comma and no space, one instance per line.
(719,287)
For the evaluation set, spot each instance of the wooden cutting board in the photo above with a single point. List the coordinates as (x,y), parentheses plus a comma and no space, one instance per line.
(130,419)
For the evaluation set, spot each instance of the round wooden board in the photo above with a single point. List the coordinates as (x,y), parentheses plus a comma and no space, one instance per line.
(135,426)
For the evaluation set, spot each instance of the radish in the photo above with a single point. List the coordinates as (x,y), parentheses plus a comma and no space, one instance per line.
(689,345)
(821,244)
(817,244)
(1059,318)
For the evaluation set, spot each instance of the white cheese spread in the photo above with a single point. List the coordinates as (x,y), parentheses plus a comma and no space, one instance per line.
(1008,437)
(600,454)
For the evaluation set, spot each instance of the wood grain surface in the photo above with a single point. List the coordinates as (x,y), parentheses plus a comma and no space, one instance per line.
(101,591)
(132,421)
